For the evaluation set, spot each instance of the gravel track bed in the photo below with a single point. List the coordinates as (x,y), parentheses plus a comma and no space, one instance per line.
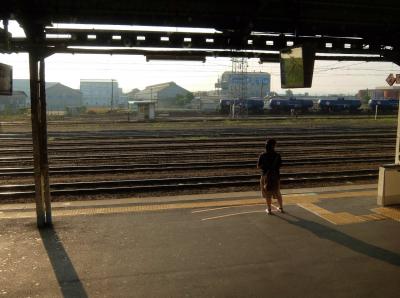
(156,159)
(242,141)
(185,192)
(218,152)
(54,178)
(193,140)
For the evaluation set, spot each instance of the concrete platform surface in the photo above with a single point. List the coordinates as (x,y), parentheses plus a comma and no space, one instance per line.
(331,242)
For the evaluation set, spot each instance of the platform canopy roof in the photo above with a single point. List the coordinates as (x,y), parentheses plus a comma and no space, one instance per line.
(368,26)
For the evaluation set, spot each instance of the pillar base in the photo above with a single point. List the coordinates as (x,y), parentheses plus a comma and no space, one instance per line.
(389,185)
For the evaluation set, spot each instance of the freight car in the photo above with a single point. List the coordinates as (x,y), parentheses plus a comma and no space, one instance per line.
(249,106)
(383,105)
(339,105)
(278,105)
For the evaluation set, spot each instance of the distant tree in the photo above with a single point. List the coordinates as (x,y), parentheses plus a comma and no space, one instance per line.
(289,92)
(365,98)
(181,100)
(189,97)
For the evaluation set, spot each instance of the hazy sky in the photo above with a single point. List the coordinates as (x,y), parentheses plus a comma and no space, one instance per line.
(134,72)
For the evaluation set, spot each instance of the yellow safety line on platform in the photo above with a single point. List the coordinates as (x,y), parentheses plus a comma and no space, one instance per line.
(390,212)
(288,199)
(340,218)
(136,208)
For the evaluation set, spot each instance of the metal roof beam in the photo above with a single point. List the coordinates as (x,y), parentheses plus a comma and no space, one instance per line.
(164,40)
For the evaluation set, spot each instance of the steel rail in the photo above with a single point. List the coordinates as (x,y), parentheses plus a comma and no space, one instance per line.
(322,146)
(202,132)
(313,115)
(119,186)
(190,140)
(129,168)
(6,160)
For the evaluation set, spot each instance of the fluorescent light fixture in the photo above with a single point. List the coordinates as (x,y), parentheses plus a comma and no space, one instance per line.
(58,36)
(175,57)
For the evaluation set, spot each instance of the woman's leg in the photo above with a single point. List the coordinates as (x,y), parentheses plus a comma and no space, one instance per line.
(268,198)
(278,197)
(265,194)
(262,187)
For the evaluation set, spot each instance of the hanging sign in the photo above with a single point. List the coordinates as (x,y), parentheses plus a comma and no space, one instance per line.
(397,78)
(391,79)
(5,79)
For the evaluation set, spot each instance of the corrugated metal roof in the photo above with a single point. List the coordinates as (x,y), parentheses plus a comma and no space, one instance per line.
(61,86)
(157,88)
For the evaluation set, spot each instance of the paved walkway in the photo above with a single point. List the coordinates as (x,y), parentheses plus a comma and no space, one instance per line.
(331,242)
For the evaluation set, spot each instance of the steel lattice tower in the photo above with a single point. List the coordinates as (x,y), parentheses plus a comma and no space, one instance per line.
(239,69)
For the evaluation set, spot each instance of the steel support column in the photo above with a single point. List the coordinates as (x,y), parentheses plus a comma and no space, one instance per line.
(39,139)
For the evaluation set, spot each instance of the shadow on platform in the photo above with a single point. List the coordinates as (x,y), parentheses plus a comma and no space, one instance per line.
(67,277)
(345,240)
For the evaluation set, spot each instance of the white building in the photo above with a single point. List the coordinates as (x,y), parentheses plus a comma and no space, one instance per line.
(100,93)
(164,94)
(247,85)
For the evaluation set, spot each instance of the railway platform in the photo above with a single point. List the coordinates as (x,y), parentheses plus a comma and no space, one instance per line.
(330,242)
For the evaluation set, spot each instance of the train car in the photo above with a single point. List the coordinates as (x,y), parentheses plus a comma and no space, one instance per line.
(250,106)
(339,105)
(383,105)
(255,105)
(287,105)
(225,106)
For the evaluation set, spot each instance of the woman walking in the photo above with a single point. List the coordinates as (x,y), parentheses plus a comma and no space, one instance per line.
(270,162)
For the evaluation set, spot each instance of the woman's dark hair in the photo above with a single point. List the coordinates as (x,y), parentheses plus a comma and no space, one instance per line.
(270,144)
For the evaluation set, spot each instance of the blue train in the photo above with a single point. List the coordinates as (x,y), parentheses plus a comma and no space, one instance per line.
(280,105)
(287,105)
(250,106)
(384,105)
(339,105)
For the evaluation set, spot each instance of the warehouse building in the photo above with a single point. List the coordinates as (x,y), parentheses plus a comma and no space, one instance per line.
(392,92)
(59,97)
(164,94)
(24,86)
(244,85)
(13,103)
(100,93)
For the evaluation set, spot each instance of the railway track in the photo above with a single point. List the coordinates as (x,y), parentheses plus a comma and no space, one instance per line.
(176,146)
(211,147)
(122,118)
(200,155)
(117,140)
(176,166)
(210,133)
(118,186)
(107,152)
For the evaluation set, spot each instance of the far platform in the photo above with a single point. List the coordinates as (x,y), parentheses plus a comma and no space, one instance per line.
(331,242)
